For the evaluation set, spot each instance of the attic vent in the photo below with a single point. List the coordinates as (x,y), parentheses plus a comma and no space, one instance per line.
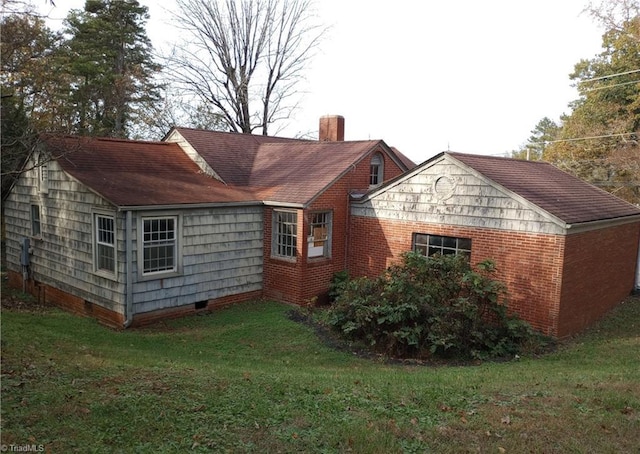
(444,187)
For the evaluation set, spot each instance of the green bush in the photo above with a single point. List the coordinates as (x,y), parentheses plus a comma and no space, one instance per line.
(338,282)
(427,306)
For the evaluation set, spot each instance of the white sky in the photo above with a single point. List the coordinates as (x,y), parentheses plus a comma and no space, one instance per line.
(472,76)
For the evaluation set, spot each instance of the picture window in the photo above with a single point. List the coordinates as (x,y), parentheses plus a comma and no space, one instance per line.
(444,245)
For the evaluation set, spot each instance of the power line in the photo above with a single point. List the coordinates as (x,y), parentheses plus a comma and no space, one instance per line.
(613,85)
(610,75)
(591,137)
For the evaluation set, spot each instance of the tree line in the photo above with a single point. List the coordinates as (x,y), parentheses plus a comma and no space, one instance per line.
(599,139)
(236,68)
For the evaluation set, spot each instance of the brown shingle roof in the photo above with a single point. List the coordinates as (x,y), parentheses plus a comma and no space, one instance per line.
(297,172)
(135,173)
(282,170)
(231,154)
(409,164)
(568,198)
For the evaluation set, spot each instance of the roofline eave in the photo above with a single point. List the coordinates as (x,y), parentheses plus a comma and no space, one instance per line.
(580,227)
(274,203)
(186,206)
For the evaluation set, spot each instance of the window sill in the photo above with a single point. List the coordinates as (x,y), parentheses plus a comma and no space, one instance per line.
(319,258)
(289,260)
(319,261)
(106,274)
(158,276)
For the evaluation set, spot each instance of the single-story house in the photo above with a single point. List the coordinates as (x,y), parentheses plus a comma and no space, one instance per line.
(130,232)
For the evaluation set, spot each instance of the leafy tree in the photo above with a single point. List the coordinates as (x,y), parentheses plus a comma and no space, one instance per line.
(29,67)
(30,80)
(244,57)
(545,132)
(110,58)
(601,133)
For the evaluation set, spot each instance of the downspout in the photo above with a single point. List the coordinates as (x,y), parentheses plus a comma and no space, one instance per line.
(347,233)
(128,304)
(637,286)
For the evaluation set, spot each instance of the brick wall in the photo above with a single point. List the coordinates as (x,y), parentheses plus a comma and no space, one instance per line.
(599,272)
(281,277)
(47,294)
(189,309)
(305,280)
(530,265)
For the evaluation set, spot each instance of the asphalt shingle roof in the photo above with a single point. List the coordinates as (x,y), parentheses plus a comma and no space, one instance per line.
(568,198)
(135,173)
(230,154)
(283,170)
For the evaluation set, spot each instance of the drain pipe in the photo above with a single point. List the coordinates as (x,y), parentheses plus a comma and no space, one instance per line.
(637,288)
(128,304)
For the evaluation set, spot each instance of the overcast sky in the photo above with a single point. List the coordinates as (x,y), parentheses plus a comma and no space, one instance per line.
(426,76)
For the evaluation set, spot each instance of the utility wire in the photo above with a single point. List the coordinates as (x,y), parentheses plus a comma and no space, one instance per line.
(591,137)
(613,85)
(610,75)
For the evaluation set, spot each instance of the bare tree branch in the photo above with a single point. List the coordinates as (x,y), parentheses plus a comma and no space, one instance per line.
(245,57)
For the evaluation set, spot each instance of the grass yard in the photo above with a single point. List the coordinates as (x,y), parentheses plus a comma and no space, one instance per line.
(248,379)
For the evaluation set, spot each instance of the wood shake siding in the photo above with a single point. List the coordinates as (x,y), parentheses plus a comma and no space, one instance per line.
(221,250)
(222,256)
(473,203)
(63,255)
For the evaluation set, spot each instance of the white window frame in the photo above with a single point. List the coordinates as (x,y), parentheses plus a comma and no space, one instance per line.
(104,239)
(320,233)
(146,242)
(35,216)
(376,170)
(428,244)
(284,236)
(43,178)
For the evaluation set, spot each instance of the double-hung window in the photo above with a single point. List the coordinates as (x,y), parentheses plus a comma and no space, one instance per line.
(159,245)
(36,229)
(319,239)
(376,170)
(105,243)
(445,245)
(285,234)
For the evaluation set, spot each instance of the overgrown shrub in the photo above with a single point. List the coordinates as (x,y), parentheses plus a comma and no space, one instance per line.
(338,282)
(426,306)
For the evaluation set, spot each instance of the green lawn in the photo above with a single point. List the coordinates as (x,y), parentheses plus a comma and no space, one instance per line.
(248,379)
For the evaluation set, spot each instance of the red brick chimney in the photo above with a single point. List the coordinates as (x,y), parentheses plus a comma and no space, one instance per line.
(331,128)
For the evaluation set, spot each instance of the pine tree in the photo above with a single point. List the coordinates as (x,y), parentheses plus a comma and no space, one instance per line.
(110,59)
